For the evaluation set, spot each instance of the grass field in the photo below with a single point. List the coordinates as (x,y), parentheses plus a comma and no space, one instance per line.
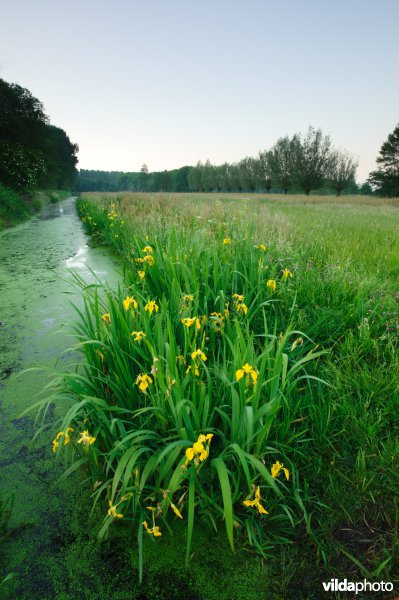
(250,332)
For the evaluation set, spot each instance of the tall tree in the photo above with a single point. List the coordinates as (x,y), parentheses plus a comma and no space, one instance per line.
(143,178)
(386,178)
(32,152)
(194,178)
(342,170)
(224,177)
(282,160)
(22,117)
(247,173)
(180,179)
(235,174)
(208,177)
(313,159)
(264,172)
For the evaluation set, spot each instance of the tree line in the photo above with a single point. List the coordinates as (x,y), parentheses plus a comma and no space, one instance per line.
(301,163)
(33,153)
(297,163)
(36,154)
(293,164)
(175,180)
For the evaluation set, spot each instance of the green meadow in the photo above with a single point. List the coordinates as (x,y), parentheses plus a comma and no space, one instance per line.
(236,412)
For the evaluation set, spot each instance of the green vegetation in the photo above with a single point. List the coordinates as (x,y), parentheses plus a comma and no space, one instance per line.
(318,279)
(72,564)
(175,180)
(293,164)
(16,207)
(296,164)
(6,504)
(386,177)
(33,155)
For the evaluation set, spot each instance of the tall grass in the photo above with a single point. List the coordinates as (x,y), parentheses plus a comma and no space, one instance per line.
(213,313)
(328,316)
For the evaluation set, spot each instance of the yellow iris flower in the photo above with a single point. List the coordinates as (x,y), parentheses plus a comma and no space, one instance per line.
(138,335)
(218,320)
(55,440)
(112,511)
(242,307)
(196,370)
(287,273)
(106,318)
(187,299)
(217,315)
(226,241)
(190,321)
(151,306)
(277,467)
(198,449)
(149,259)
(238,297)
(256,502)
(248,371)
(143,381)
(86,439)
(67,439)
(198,354)
(130,301)
(271,284)
(155,531)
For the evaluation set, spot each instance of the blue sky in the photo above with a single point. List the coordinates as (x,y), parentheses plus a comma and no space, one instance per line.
(171,83)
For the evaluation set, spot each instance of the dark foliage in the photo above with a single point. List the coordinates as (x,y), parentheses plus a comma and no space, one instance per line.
(33,153)
(386,177)
(142,181)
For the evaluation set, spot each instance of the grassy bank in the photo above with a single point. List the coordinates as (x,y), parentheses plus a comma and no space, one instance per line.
(264,330)
(16,207)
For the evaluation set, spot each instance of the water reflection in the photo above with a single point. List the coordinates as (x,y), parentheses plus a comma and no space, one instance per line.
(78,260)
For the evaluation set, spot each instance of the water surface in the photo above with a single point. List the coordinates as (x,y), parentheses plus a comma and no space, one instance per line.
(36,262)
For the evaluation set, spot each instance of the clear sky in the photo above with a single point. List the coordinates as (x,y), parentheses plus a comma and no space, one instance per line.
(172,82)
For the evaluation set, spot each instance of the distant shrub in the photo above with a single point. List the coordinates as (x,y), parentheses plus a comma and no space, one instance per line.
(11,203)
(36,204)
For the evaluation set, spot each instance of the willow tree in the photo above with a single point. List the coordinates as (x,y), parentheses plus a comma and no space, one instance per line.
(314,159)
(342,170)
(282,161)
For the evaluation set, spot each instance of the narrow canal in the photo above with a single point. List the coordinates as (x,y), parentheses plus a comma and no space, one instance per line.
(36,260)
